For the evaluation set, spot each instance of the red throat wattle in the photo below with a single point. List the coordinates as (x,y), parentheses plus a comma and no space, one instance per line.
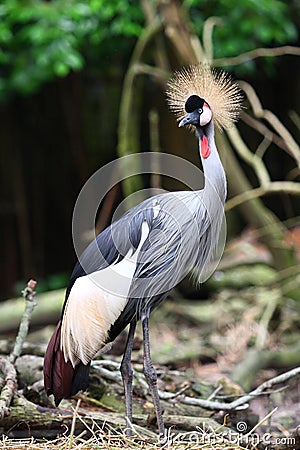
(205,150)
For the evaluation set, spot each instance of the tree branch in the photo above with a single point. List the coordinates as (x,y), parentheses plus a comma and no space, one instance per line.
(264,130)
(257,53)
(128,130)
(9,388)
(288,187)
(291,146)
(242,401)
(207,34)
(28,295)
(251,158)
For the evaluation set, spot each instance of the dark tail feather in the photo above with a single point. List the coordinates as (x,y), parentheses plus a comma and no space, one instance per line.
(60,378)
(81,378)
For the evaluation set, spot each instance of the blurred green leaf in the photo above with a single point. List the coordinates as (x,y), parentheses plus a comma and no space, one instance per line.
(246,24)
(61,69)
(41,40)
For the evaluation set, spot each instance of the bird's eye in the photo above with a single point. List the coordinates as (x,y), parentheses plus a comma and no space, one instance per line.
(200,110)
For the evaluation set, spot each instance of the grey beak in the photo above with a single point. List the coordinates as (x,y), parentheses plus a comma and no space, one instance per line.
(192,118)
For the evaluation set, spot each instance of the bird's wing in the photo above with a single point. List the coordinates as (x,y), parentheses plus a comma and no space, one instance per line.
(112,244)
(171,250)
(100,253)
(100,283)
(169,253)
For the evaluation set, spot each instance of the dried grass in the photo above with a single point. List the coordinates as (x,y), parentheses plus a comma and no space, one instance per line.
(113,440)
(109,439)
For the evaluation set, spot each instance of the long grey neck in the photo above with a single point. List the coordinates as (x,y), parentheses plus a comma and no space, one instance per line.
(214,174)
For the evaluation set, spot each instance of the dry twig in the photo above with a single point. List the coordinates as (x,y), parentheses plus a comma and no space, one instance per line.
(28,293)
(242,401)
(10,386)
(257,53)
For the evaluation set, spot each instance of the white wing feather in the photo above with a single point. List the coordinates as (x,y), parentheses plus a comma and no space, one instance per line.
(94,304)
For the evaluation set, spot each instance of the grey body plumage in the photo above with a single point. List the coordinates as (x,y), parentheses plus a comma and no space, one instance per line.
(144,254)
(168,254)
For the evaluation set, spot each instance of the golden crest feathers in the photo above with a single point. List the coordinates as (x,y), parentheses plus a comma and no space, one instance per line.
(222,94)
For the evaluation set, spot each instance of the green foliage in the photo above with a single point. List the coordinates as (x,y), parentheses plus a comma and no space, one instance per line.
(40,40)
(245,24)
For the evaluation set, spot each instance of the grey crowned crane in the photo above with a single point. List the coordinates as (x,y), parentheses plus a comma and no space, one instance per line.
(130,268)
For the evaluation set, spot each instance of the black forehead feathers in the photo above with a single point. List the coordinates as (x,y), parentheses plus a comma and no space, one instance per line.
(193,102)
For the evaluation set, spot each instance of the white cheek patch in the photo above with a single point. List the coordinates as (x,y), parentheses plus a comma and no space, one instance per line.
(206,116)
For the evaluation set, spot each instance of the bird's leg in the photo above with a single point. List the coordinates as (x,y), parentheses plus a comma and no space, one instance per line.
(151,377)
(127,375)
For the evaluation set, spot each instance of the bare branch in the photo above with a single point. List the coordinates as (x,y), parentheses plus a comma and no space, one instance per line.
(197,48)
(288,187)
(145,69)
(208,28)
(28,294)
(242,401)
(291,146)
(9,388)
(295,118)
(262,129)
(257,53)
(251,158)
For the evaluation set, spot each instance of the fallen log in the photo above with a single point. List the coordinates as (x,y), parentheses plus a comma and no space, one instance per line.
(30,420)
(46,311)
